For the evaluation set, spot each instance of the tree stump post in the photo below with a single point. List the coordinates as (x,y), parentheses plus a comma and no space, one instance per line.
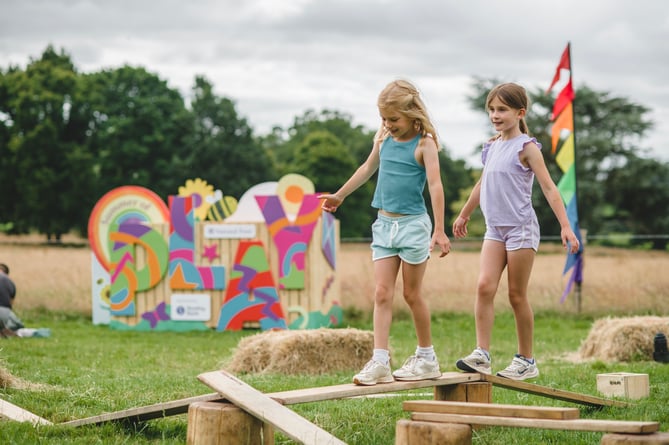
(214,423)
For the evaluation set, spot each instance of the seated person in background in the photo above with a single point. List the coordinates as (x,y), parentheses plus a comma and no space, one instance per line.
(9,322)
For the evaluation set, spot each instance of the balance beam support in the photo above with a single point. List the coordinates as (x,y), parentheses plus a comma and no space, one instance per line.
(214,423)
(479,392)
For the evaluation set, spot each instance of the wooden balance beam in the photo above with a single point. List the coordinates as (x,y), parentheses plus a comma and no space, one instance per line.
(180,406)
(291,397)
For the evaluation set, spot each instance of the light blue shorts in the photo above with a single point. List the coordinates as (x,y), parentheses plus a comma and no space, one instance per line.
(406,236)
(516,237)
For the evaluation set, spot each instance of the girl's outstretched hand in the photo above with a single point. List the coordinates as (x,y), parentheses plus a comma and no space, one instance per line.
(330,202)
(569,240)
(460,227)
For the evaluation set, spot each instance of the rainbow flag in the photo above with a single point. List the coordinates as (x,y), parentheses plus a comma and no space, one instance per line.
(563,143)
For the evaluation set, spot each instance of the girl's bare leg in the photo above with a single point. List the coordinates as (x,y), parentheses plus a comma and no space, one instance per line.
(492,263)
(519,269)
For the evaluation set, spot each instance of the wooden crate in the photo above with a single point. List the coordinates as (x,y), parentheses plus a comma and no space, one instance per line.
(623,384)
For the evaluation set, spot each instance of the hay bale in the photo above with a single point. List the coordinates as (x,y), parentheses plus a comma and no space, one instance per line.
(307,351)
(7,380)
(623,339)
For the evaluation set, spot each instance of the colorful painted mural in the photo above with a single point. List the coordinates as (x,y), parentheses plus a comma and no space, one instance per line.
(209,261)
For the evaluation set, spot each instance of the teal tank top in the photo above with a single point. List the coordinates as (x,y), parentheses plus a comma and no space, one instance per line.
(401,179)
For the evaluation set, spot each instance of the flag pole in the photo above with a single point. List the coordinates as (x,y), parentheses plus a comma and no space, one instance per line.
(579,275)
(579,278)
(566,159)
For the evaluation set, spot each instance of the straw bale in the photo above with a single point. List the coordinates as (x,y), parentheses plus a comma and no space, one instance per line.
(623,339)
(306,351)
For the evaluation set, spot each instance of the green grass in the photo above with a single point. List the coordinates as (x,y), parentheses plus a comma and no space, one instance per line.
(90,370)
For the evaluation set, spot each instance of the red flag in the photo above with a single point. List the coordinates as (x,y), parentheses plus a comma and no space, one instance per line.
(564,64)
(565,97)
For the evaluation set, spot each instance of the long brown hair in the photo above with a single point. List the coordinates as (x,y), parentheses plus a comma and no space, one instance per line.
(511,95)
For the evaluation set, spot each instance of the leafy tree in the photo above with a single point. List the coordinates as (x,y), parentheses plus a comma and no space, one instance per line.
(7,159)
(222,149)
(455,176)
(323,158)
(640,186)
(138,131)
(282,143)
(45,134)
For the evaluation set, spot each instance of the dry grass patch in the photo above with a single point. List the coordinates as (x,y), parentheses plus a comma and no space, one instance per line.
(8,380)
(615,280)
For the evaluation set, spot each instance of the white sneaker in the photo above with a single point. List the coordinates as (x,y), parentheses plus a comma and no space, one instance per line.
(477,361)
(418,368)
(373,373)
(520,369)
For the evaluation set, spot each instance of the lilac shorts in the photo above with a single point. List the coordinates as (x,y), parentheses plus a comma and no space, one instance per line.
(515,237)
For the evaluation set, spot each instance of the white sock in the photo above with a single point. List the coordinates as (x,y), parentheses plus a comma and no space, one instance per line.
(381,356)
(427,353)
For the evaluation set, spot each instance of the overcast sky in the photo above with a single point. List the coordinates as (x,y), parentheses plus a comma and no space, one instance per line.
(277,58)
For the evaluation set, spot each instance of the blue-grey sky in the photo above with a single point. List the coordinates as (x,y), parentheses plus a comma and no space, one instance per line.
(278,58)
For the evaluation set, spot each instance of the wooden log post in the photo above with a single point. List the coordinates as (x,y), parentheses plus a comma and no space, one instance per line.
(214,423)
(411,432)
(479,392)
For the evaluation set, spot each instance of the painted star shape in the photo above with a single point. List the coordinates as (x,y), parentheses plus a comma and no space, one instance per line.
(211,252)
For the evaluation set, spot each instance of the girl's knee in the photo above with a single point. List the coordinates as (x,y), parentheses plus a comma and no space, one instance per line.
(518,300)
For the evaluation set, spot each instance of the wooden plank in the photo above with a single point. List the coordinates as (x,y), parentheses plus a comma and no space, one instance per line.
(487,409)
(552,393)
(12,412)
(268,410)
(172,408)
(660,438)
(606,426)
(143,413)
(350,390)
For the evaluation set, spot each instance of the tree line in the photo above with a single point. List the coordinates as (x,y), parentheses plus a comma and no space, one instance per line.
(67,138)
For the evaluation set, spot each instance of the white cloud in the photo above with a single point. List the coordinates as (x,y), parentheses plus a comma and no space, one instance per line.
(278,58)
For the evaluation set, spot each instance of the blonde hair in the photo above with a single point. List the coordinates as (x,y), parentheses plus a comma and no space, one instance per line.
(402,96)
(511,95)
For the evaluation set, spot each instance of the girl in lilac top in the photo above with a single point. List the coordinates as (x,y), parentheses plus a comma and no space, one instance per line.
(511,160)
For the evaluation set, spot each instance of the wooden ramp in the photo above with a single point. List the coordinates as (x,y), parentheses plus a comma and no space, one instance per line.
(552,393)
(12,412)
(175,407)
(268,410)
(144,413)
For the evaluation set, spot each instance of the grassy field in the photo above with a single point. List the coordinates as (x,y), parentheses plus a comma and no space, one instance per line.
(84,370)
